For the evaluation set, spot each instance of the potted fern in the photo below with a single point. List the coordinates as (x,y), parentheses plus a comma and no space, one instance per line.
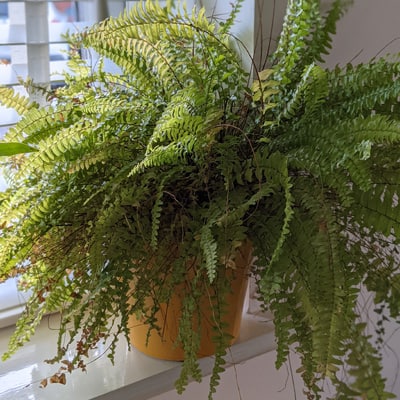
(168,168)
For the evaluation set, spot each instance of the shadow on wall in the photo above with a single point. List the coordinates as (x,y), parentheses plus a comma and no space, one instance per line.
(368,30)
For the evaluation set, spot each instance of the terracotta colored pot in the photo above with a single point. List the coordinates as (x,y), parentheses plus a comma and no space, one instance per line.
(162,344)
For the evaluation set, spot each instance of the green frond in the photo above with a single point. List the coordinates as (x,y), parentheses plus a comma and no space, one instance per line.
(155,215)
(37,124)
(21,334)
(305,38)
(365,369)
(86,162)
(300,19)
(179,136)
(189,335)
(147,39)
(364,88)
(169,154)
(227,24)
(279,171)
(12,99)
(209,247)
(55,147)
(184,115)
(319,44)
(308,96)
(344,148)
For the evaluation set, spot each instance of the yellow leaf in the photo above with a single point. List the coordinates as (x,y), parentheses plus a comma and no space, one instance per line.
(255,86)
(265,74)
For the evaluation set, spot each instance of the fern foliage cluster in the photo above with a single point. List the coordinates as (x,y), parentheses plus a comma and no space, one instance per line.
(177,157)
(338,131)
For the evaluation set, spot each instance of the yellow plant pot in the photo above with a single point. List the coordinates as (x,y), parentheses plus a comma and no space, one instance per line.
(162,344)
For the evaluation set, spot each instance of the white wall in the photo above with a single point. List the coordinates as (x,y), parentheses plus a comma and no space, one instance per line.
(370,28)
(362,34)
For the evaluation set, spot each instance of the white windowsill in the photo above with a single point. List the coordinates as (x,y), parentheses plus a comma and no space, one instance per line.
(11,302)
(134,375)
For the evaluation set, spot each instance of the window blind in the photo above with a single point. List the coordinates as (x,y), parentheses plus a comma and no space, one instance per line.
(32,43)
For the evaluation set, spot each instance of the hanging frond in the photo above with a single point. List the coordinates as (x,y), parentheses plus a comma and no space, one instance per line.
(209,247)
(156,215)
(12,99)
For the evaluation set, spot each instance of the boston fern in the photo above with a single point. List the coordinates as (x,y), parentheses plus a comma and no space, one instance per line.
(177,157)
